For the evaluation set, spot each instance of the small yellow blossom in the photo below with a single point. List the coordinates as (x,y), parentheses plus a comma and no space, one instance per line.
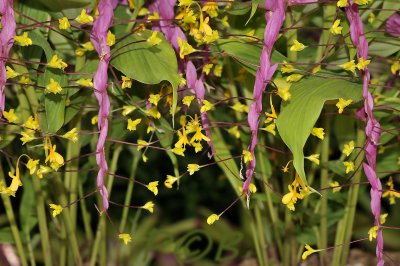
(297,46)
(349,66)
(211,8)
(349,166)
(132,124)
(270,128)
(308,252)
(342,3)
(179,151)
(287,68)
(11,73)
(207,106)
(127,109)
(361,2)
(88,46)
(153,112)
(247,156)
(84,18)
(125,237)
(382,218)
(80,51)
(348,148)
(187,100)
(335,186)
(241,108)
(110,41)
(152,186)
(192,167)
(372,232)
(154,98)
(31,165)
(391,192)
(56,160)
(371,18)
(24,80)
(141,144)
(170,181)
(342,103)
(27,136)
(63,23)
(23,40)
(16,180)
(185,3)
(217,70)
(153,39)
(184,48)
(313,158)
(153,16)
(293,78)
(43,170)
(32,123)
(57,209)
(85,82)
(395,67)
(316,69)
(10,116)
(149,206)
(318,132)
(207,68)
(252,188)
(234,131)
(53,87)
(336,29)
(197,147)
(212,218)
(224,22)
(56,62)
(362,64)
(71,135)
(126,82)
(94,120)
(283,88)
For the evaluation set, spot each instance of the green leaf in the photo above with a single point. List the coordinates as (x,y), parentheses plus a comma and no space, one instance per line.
(39,40)
(27,210)
(299,115)
(58,5)
(136,59)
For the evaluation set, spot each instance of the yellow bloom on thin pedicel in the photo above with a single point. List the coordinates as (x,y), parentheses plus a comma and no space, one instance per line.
(141,144)
(287,68)
(84,18)
(211,8)
(342,103)
(217,70)
(348,148)
(179,151)
(16,180)
(85,82)
(170,181)
(153,112)
(318,132)
(349,166)
(309,250)
(110,41)
(27,136)
(362,64)
(63,23)
(56,160)
(71,135)
(10,116)
(247,156)
(394,67)
(153,39)
(382,218)
(241,108)
(185,2)
(154,98)
(313,158)
(53,87)
(152,186)
(336,29)
(207,106)
(31,165)
(297,46)
(372,232)
(361,2)
(127,109)
(56,62)
(32,123)
(184,48)
(149,206)
(335,186)
(42,170)
(187,100)
(349,66)
(125,237)
(197,146)
(391,192)
(57,209)
(88,46)
(126,82)
(212,218)
(371,18)
(94,120)
(207,68)
(192,167)
(293,78)
(252,188)
(234,131)
(132,124)
(342,3)
(23,40)
(283,88)
(11,73)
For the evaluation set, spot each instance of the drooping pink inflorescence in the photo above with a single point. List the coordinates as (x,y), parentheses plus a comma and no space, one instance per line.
(393,25)
(6,41)
(372,129)
(100,80)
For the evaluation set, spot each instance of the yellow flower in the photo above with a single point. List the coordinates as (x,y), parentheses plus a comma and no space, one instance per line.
(372,232)
(126,82)
(153,112)
(56,160)
(85,82)
(183,140)
(57,209)
(24,80)
(179,151)
(207,106)
(152,186)
(297,46)
(336,29)
(42,170)
(80,51)
(349,66)
(127,109)
(170,181)
(211,8)
(316,69)
(88,46)
(362,64)
(207,68)
(197,147)
(391,192)
(252,188)
(217,70)
(10,116)
(11,73)
(293,78)
(290,198)
(16,180)
(342,3)
(308,252)
(247,156)
(125,237)
(153,16)
(187,100)
(234,131)
(27,136)
(53,87)
(241,108)
(132,124)
(141,144)
(23,40)
(149,206)
(382,218)
(32,123)
(56,62)
(394,67)
(361,2)
(184,48)
(31,165)
(94,120)
(84,18)
(212,218)
(342,103)
(270,128)
(64,23)
(348,148)
(192,167)
(153,39)
(283,89)
(154,98)
(335,186)
(224,22)
(313,158)
(287,68)
(371,18)
(349,166)
(185,2)
(318,132)
(110,41)
(71,135)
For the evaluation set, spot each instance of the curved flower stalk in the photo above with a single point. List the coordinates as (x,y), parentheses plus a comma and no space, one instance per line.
(99,40)
(373,128)
(6,41)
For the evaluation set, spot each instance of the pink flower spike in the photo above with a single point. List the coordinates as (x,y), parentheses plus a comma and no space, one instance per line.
(393,25)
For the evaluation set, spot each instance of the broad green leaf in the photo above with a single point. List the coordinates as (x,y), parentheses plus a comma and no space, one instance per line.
(39,40)
(136,59)
(299,115)
(388,9)
(27,210)
(238,10)
(58,5)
